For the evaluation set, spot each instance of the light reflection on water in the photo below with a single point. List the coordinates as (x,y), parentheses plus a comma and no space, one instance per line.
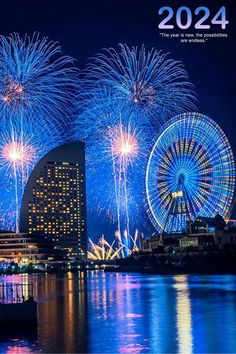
(183,315)
(128,313)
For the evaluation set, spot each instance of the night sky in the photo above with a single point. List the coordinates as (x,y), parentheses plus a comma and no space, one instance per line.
(85,27)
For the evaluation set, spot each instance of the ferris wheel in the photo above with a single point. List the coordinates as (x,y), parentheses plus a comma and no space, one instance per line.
(190,173)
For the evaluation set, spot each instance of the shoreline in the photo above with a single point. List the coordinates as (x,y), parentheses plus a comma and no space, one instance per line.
(165,272)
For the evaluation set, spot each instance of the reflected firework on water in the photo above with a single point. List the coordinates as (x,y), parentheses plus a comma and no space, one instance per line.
(80,310)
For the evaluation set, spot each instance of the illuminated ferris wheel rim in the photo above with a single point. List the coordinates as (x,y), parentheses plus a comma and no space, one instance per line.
(197,122)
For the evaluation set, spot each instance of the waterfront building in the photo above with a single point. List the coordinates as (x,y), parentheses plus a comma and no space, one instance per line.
(206,224)
(197,240)
(54,201)
(223,233)
(201,233)
(22,247)
(147,245)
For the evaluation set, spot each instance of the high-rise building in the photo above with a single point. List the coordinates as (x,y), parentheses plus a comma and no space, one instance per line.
(54,201)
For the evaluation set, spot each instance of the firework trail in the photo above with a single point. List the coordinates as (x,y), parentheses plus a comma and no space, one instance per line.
(124,149)
(17,153)
(115,147)
(16,148)
(38,88)
(130,87)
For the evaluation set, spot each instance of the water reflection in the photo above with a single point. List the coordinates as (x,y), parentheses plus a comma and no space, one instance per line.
(124,313)
(115,313)
(183,315)
(62,313)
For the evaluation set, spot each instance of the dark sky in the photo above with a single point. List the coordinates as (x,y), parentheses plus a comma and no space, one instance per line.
(85,27)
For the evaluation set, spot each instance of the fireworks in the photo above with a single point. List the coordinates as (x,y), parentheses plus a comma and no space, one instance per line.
(36,81)
(103,251)
(113,140)
(16,155)
(124,145)
(38,88)
(147,81)
(123,149)
(12,95)
(122,99)
(18,152)
(125,96)
(130,243)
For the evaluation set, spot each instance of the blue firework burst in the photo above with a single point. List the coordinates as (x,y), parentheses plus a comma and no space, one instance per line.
(149,82)
(22,145)
(111,193)
(36,80)
(38,89)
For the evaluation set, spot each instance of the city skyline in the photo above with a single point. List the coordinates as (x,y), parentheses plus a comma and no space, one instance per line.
(214,105)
